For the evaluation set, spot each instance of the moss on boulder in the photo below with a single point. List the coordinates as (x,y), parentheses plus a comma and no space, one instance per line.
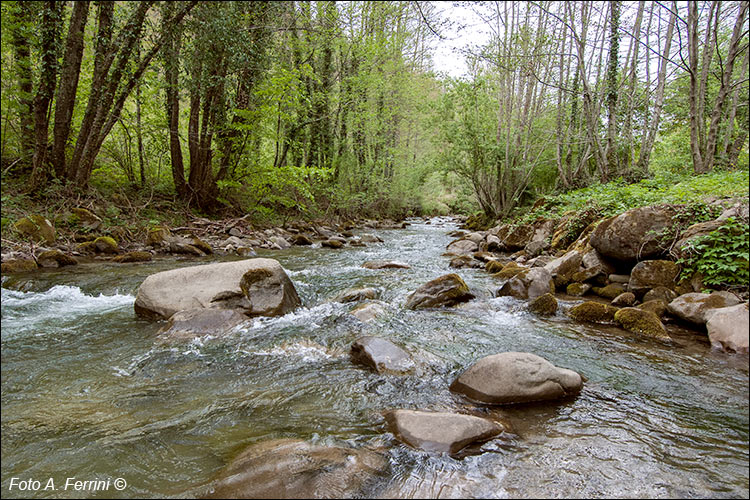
(493,266)
(55,258)
(544,305)
(106,244)
(447,290)
(610,291)
(578,289)
(593,312)
(18,266)
(656,306)
(641,321)
(37,228)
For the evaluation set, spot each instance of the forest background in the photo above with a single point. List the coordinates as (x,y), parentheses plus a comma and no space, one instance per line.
(289,110)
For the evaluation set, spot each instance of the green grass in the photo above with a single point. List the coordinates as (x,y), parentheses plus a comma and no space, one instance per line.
(617,196)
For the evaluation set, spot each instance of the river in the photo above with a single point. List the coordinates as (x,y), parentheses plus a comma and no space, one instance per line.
(89,391)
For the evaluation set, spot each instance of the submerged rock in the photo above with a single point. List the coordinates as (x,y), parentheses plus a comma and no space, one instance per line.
(381,355)
(729,328)
(193,323)
(132,257)
(267,289)
(447,290)
(356,294)
(385,264)
(516,377)
(440,432)
(291,468)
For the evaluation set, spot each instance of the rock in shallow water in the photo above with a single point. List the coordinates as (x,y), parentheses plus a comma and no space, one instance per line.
(356,294)
(516,377)
(381,355)
(440,432)
(291,468)
(201,322)
(385,264)
(216,285)
(447,290)
(728,328)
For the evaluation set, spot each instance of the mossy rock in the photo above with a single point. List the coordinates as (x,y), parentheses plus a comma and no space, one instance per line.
(510,270)
(55,258)
(137,256)
(158,236)
(656,306)
(641,321)
(202,246)
(85,218)
(610,291)
(106,244)
(626,299)
(478,222)
(17,266)
(544,305)
(86,247)
(593,312)
(493,266)
(37,228)
(578,289)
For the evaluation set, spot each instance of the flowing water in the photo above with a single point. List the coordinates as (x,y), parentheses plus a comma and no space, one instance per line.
(89,391)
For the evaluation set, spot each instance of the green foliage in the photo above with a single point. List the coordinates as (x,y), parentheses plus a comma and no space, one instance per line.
(720,256)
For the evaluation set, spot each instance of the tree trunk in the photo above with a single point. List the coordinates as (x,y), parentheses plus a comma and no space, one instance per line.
(172,69)
(66,90)
(22,59)
(50,34)
(612,83)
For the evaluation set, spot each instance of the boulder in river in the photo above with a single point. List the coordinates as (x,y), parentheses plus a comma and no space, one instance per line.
(593,312)
(528,284)
(440,432)
(625,299)
(563,268)
(267,289)
(447,290)
(18,266)
(331,243)
(695,307)
(381,355)
(291,468)
(462,247)
(544,305)
(516,377)
(368,311)
(729,327)
(641,321)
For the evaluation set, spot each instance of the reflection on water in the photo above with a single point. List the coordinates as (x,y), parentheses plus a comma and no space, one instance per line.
(89,391)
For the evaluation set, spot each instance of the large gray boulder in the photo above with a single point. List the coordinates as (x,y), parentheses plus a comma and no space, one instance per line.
(636,234)
(528,284)
(462,247)
(440,432)
(267,289)
(563,268)
(729,327)
(695,307)
(291,468)
(447,290)
(381,355)
(650,274)
(516,377)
